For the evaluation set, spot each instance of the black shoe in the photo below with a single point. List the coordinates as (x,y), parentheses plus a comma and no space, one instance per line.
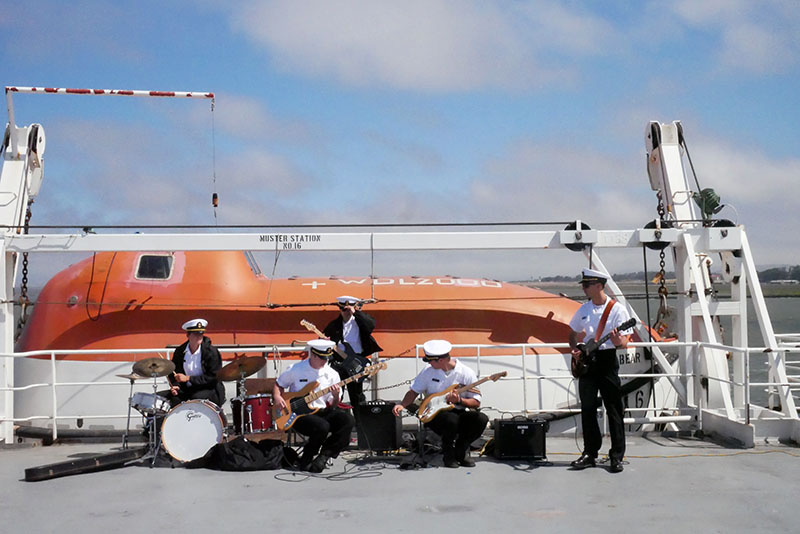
(466,461)
(583,462)
(616,466)
(450,461)
(319,464)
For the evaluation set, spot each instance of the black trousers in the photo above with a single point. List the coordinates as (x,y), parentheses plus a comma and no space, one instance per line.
(458,428)
(355,389)
(603,377)
(328,431)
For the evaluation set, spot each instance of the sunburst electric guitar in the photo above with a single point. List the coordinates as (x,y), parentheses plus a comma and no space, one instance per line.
(297,403)
(437,402)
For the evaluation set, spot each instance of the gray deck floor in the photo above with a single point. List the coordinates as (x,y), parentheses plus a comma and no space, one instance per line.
(668,484)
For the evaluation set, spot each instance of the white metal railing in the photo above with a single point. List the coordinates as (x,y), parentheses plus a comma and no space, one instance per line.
(135,354)
(689,410)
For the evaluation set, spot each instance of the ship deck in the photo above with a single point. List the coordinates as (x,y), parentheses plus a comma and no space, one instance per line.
(668,482)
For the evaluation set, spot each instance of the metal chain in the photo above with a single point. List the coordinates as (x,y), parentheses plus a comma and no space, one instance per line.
(24,301)
(661,324)
(395,385)
(662,287)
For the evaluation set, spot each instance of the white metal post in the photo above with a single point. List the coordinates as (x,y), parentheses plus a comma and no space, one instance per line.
(739,338)
(7,340)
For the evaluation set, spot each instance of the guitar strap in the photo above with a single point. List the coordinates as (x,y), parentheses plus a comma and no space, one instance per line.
(602,324)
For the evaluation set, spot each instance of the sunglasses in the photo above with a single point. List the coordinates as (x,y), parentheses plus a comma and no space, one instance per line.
(346,304)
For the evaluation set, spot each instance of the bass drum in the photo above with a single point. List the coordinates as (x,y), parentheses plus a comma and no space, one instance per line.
(191,429)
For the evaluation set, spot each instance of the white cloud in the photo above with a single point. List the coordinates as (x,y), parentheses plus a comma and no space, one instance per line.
(745,175)
(429,45)
(248,118)
(755,36)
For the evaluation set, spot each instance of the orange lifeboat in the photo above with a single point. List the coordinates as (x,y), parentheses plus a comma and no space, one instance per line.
(128,300)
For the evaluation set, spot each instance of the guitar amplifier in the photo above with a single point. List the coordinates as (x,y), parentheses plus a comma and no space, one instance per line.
(520,438)
(378,429)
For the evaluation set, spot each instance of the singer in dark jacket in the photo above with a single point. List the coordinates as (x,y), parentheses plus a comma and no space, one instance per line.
(352,332)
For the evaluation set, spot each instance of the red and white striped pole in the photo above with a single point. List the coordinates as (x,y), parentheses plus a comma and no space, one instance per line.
(98,92)
(122,92)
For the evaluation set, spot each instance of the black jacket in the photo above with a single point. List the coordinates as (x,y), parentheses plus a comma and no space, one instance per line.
(366,324)
(211,362)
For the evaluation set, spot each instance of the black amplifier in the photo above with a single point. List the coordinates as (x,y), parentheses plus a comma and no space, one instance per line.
(520,438)
(378,429)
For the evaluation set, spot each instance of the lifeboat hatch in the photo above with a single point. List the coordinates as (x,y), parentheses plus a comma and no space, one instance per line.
(154,267)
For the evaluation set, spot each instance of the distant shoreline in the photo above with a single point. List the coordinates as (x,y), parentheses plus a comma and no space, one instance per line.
(769,290)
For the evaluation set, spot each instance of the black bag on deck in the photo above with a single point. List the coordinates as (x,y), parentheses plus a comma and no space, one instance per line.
(243,455)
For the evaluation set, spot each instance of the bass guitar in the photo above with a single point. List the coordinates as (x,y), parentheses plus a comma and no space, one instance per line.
(347,360)
(580,365)
(437,402)
(297,403)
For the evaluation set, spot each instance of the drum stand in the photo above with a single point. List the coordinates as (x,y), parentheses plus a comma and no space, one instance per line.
(241,394)
(128,425)
(154,438)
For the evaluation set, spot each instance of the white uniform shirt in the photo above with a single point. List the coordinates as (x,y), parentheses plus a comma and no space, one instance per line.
(352,335)
(192,364)
(432,380)
(587,319)
(301,374)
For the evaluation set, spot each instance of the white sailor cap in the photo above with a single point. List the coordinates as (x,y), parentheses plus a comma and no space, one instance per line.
(435,349)
(347,300)
(590,275)
(321,347)
(195,325)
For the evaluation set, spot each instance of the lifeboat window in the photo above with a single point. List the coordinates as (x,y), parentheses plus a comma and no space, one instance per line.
(154,267)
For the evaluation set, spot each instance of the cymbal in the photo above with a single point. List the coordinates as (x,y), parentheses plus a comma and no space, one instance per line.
(132,376)
(151,367)
(240,368)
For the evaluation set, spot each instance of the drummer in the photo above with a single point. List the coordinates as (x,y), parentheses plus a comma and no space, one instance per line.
(196,364)
(328,430)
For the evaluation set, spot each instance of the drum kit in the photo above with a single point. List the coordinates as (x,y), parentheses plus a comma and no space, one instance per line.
(252,414)
(191,428)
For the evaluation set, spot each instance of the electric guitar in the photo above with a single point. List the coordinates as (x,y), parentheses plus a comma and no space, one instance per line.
(348,361)
(437,402)
(580,365)
(297,403)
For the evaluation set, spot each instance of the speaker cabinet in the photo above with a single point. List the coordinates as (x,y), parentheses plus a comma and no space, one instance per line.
(378,429)
(520,438)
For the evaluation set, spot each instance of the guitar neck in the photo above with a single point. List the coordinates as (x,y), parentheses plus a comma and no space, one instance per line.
(462,389)
(624,326)
(322,392)
(317,394)
(312,328)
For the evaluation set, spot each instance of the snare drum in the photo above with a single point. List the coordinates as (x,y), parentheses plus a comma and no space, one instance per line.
(191,429)
(257,414)
(149,403)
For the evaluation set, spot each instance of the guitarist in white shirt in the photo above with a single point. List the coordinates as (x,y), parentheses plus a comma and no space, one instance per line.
(463,424)
(603,374)
(328,430)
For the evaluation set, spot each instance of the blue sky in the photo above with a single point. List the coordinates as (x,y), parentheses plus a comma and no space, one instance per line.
(413,111)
